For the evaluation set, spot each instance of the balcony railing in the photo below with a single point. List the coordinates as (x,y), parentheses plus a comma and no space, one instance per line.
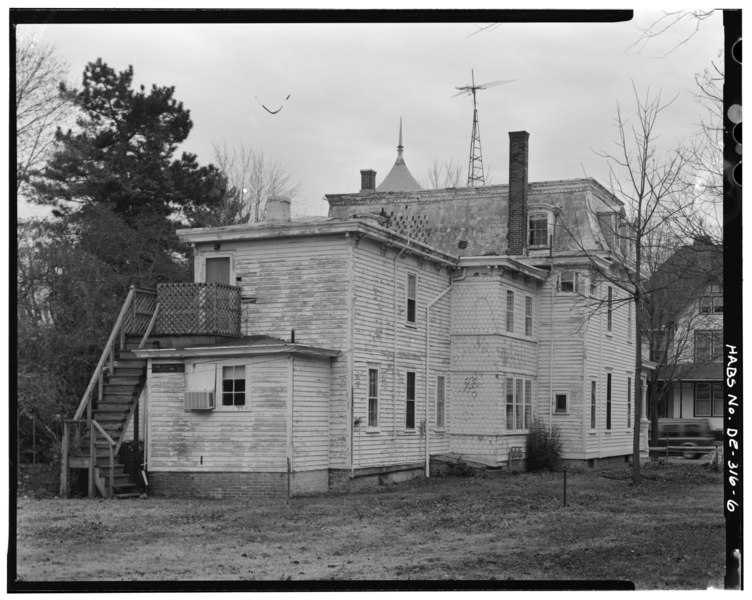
(198,309)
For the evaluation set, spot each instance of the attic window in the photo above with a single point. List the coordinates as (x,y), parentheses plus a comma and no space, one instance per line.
(538,230)
(712,301)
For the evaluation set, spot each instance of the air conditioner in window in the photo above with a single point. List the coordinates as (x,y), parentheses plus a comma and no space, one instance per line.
(199,401)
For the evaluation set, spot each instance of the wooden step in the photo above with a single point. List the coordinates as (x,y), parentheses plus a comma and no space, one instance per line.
(118,388)
(128,495)
(118,397)
(112,407)
(119,378)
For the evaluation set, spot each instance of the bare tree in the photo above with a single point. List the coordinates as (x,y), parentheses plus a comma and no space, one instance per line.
(40,104)
(672,20)
(448,174)
(252,180)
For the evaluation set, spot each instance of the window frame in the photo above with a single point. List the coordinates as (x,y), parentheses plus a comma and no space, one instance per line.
(533,233)
(557,409)
(411,301)
(610,309)
(715,395)
(715,345)
(440,423)
(575,282)
(510,311)
(629,402)
(518,394)
(529,316)
(609,403)
(410,395)
(593,404)
(233,392)
(372,395)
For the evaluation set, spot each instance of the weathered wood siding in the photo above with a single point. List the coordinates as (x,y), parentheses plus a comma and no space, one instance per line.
(310,413)
(383,340)
(483,355)
(609,352)
(249,438)
(299,284)
(562,365)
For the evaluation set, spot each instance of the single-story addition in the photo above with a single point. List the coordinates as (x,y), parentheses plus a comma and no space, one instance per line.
(251,415)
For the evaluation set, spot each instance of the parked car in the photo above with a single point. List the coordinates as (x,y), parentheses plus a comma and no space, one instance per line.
(684,436)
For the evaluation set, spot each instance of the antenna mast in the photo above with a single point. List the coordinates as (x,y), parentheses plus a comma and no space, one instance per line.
(475,165)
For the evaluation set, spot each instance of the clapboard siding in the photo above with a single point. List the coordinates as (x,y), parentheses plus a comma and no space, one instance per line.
(301,285)
(382,338)
(310,414)
(562,332)
(252,438)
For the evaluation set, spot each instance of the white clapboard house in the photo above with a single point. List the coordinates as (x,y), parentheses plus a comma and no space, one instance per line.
(407,326)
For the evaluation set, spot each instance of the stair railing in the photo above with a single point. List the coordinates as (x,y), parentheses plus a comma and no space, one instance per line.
(117,337)
(111,443)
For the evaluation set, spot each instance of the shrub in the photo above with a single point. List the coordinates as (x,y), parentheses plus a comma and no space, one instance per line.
(543,447)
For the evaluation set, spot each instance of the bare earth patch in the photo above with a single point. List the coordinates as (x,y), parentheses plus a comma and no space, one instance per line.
(667,533)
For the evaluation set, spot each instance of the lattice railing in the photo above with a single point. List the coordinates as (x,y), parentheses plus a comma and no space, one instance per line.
(140,312)
(198,308)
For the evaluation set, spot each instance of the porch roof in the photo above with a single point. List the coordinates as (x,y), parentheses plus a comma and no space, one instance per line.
(253,345)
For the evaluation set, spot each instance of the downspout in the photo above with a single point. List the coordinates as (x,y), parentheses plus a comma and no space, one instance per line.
(290,421)
(428,364)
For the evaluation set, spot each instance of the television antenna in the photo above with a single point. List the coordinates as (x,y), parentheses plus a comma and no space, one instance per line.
(475,166)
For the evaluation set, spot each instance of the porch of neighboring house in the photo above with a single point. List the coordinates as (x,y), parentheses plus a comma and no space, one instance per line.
(178,315)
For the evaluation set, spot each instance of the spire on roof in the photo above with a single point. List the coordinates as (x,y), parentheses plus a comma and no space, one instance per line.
(399,179)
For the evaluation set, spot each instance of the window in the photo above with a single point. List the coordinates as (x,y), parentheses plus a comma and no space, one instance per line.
(708,399)
(410,401)
(538,230)
(712,301)
(629,402)
(233,385)
(528,316)
(373,397)
(218,270)
(510,311)
(708,345)
(412,294)
(608,400)
(560,403)
(593,285)
(593,405)
(569,281)
(440,402)
(519,394)
(610,309)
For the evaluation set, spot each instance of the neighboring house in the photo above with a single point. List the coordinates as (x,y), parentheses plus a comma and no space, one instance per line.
(408,325)
(687,342)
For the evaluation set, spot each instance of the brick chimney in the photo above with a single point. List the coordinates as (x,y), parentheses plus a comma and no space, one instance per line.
(517,226)
(367,180)
(278,209)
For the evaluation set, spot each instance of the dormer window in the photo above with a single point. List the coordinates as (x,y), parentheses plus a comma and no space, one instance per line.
(712,301)
(538,229)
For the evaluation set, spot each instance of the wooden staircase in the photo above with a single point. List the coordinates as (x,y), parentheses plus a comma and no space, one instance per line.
(109,404)
(114,411)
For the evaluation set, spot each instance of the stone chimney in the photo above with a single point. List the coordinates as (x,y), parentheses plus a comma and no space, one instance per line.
(517,226)
(367,180)
(278,209)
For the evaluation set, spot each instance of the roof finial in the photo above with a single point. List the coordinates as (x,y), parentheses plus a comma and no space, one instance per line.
(399,145)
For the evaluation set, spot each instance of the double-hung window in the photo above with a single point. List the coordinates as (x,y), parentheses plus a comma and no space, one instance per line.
(708,345)
(440,401)
(529,316)
(373,397)
(410,400)
(608,400)
(519,394)
(510,311)
(593,405)
(538,230)
(708,399)
(569,281)
(412,297)
(610,309)
(629,402)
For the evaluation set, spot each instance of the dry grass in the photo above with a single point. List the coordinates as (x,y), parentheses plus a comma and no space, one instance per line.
(667,533)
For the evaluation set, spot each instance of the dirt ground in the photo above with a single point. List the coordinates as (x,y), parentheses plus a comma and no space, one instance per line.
(667,533)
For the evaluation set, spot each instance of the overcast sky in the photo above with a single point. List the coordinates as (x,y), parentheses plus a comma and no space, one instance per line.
(349,84)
